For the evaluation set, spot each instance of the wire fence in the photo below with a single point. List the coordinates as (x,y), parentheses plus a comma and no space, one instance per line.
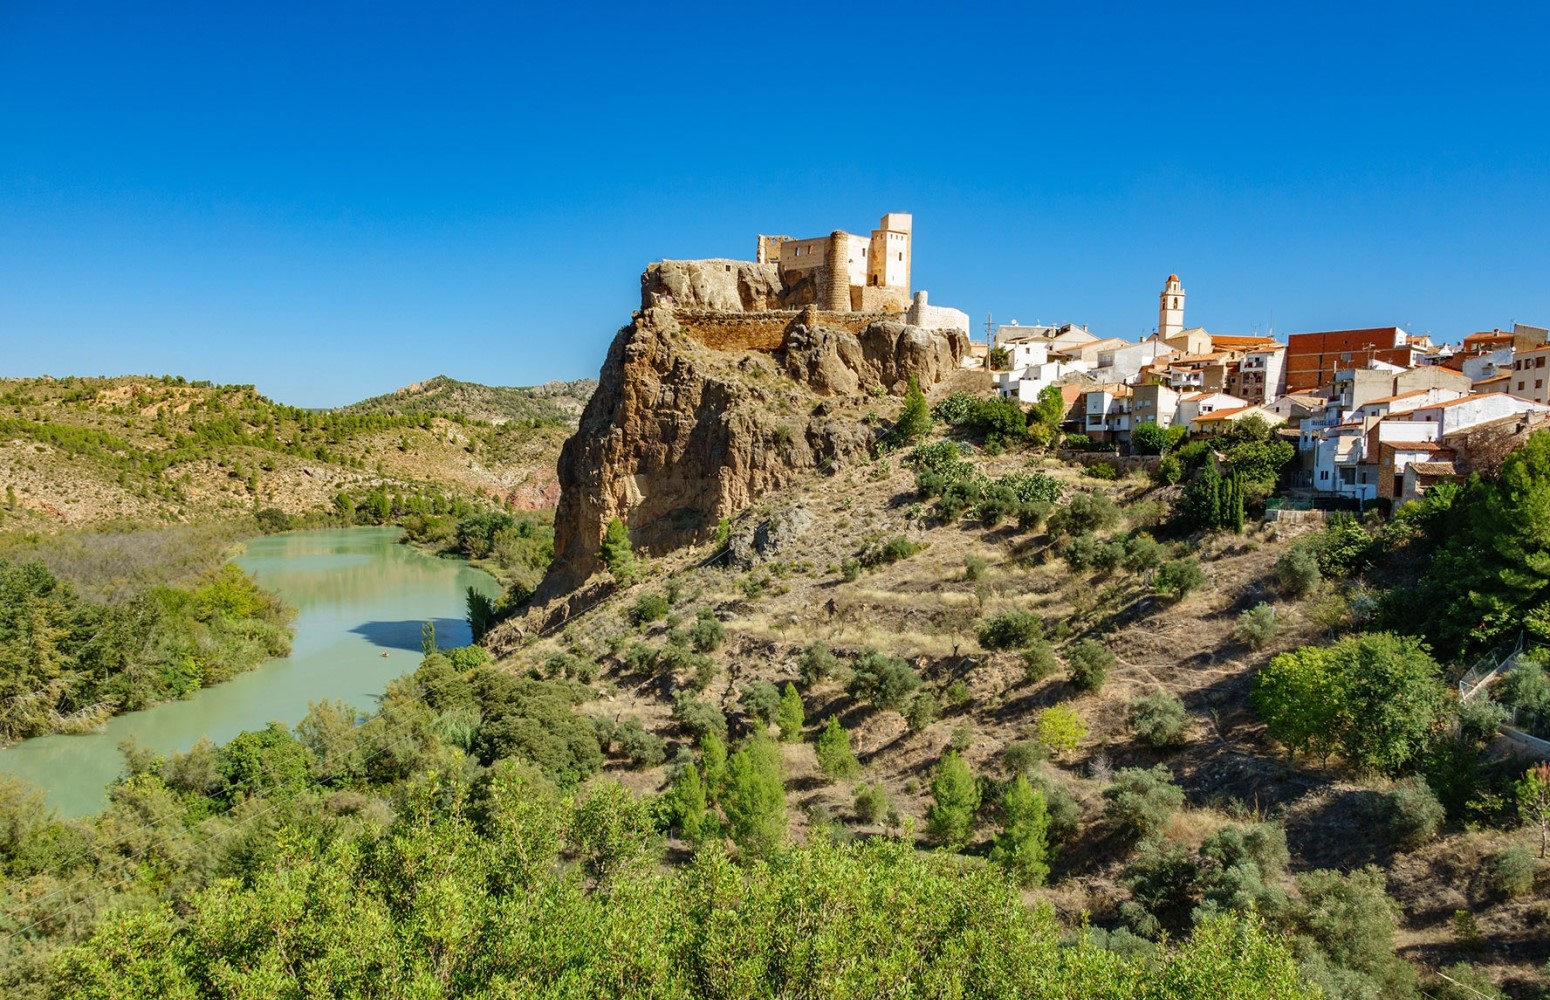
(1479,676)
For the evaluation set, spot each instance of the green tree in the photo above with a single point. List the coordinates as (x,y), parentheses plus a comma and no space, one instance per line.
(713,760)
(789,716)
(755,799)
(1149,438)
(428,638)
(1022,846)
(1533,794)
(1140,801)
(836,760)
(616,552)
(1061,728)
(915,421)
(1372,698)
(1089,662)
(955,798)
(689,803)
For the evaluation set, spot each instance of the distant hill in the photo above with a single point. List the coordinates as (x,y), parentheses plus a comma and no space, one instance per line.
(87,450)
(560,402)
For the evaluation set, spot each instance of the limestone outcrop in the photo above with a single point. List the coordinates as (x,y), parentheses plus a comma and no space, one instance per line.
(679,436)
(718,285)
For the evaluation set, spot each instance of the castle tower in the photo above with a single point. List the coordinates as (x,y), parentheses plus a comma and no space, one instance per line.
(835,287)
(1170,309)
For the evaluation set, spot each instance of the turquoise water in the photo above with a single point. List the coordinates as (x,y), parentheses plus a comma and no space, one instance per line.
(358,594)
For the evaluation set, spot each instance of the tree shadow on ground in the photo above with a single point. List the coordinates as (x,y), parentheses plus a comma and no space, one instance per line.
(450,633)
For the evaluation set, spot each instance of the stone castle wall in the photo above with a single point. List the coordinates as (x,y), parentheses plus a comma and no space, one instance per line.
(765,331)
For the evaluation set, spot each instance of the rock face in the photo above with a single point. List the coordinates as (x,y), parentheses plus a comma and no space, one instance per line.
(679,436)
(720,285)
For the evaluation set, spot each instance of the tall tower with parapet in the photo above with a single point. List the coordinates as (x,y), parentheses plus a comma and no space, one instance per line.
(1170,309)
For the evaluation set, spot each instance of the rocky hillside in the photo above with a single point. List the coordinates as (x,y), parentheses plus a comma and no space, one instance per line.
(681,435)
(552,402)
(79,451)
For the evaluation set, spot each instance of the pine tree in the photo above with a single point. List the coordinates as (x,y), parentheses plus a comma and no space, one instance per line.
(789,716)
(689,803)
(1022,846)
(713,758)
(617,553)
(755,799)
(956,798)
(916,418)
(835,758)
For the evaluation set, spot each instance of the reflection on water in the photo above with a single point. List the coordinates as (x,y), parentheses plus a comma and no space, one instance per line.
(357,593)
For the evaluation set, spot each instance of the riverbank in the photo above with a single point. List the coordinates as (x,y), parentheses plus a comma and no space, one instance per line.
(361,600)
(95,624)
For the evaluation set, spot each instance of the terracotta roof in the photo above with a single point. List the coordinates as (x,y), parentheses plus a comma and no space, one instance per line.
(1213,356)
(1471,399)
(1431,446)
(1494,378)
(1247,343)
(1434,468)
(1223,414)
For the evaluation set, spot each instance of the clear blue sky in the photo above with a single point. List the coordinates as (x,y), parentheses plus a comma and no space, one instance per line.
(331,200)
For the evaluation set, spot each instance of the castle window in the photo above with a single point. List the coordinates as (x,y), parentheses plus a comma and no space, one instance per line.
(901,256)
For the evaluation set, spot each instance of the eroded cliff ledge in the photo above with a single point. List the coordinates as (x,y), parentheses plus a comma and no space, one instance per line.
(713,396)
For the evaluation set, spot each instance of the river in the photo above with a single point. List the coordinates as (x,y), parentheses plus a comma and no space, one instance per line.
(358,594)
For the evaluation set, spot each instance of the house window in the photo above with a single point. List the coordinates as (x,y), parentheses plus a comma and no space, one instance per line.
(1324,475)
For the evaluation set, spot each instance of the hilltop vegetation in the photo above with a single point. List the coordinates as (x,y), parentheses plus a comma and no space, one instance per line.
(80,451)
(552,402)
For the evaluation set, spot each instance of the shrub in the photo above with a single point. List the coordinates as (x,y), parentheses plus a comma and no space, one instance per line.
(915,421)
(648,608)
(1141,800)
(923,709)
(643,749)
(1078,442)
(1350,919)
(973,567)
(1089,662)
(616,552)
(1510,871)
(1101,470)
(1257,626)
(1142,552)
(871,803)
(699,718)
(760,700)
(1024,756)
(996,504)
(817,664)
(1297,572)
(707,633)
(1011,630)
(1463,982)
(957,693)
(889,550)
(1084,513)
(1415,815)
(1177,578)
(955,799)
(1159,720)
(835,758)
(1039,661)
(1060,728)
(850,569)
(884,681)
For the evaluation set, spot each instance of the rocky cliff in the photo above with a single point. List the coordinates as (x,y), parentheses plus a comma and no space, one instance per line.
(680,435)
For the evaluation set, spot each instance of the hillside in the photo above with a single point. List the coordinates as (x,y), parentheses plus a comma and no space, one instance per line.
(553,402)
(860,574)
(80,451)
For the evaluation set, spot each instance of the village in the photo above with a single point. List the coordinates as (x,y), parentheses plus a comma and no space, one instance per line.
(1376,414)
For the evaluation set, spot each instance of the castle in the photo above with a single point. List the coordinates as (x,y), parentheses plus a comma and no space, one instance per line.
(843,272)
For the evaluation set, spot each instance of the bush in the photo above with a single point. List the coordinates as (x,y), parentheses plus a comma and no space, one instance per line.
(1060,728)
(1024,756)
(643,749)
(923,709)
(1084,513)
(1297,572)
(1510,871)
(884,681)
(699,718)
(1415,815)
(1463,982)
(915,421)
(707,633)
(1142,553)
(760,700)
(973,567)
(836,760)
(648,608)
(1140,801)
(1257,626)
(1089,662)
(1178,578)
(817,664)
(1011,630)
(1039,661)
(1159,720)
(850,569)
(1101,470)
(871,804)
(889,550)
(955,800)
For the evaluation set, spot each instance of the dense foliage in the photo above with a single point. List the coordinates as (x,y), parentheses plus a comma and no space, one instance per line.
(67,662)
